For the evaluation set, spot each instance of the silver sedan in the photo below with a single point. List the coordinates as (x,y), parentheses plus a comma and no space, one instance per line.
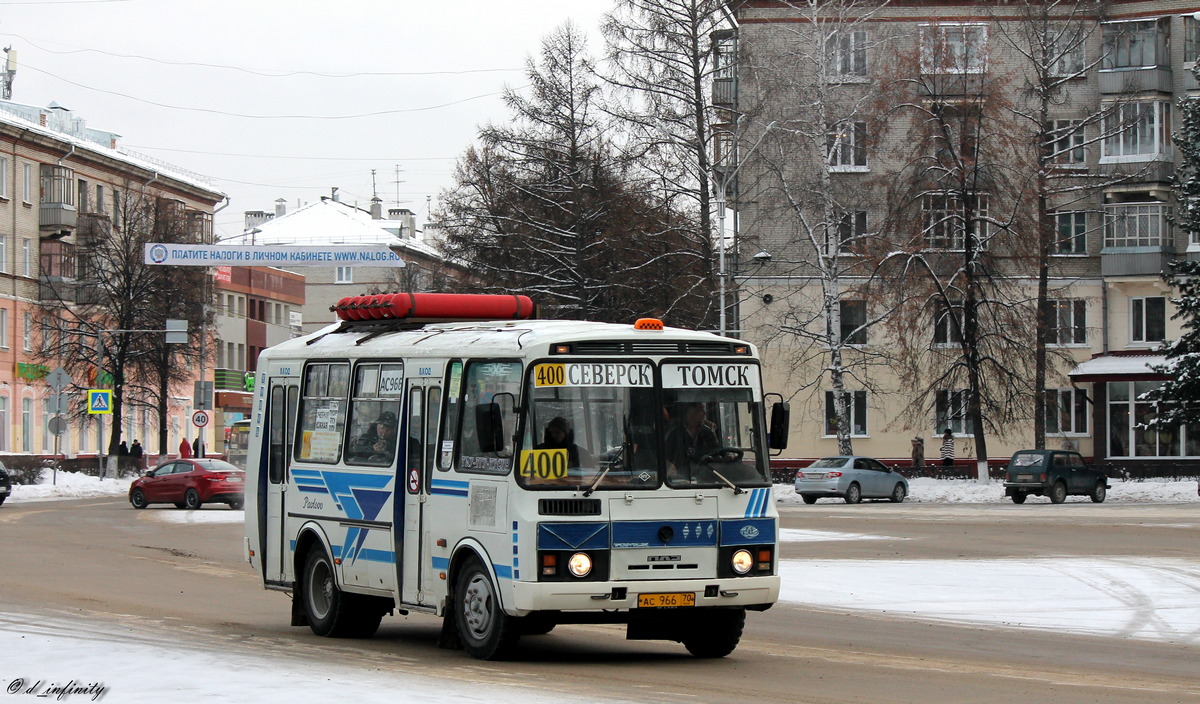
(851,477)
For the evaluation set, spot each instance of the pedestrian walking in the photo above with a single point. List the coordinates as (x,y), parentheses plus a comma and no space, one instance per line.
(185,449)
(947,448)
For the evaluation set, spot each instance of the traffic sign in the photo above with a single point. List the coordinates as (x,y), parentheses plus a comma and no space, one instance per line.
(200,419)
(58,425)
(58,379)
(99,400)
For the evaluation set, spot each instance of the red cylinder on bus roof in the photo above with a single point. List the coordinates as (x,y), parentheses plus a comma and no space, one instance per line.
(465,306)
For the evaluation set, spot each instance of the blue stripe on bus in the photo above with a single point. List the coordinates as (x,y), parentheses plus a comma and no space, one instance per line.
(446,487)
(313,489)
(440,563)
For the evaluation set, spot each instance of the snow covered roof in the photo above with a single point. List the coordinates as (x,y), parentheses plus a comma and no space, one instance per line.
(326,222)
(1113,367)
(100,142)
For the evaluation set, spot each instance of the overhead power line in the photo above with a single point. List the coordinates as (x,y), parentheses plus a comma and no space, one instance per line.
(267,72)
(211,111)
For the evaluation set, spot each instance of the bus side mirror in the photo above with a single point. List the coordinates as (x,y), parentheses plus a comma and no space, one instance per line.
(777,438)
(489,427)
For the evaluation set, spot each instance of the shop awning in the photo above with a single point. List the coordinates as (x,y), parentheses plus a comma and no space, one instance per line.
(1120,367)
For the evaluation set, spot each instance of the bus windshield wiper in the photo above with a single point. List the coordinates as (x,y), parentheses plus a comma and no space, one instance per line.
(601,477)
(736,489)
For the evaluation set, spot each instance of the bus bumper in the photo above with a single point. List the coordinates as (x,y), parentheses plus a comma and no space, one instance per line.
(592,596)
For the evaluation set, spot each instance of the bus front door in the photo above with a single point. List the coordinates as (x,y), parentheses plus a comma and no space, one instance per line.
(283,395)
(423,411)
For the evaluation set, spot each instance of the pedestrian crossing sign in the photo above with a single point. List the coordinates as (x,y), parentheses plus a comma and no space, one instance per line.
(99,400)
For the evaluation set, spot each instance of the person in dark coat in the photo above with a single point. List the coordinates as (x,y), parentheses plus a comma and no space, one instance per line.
(135,450)
(559,435)
(123,450)
(196,448)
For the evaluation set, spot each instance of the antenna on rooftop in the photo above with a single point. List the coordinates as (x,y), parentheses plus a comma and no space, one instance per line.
(397,182)
(374,190)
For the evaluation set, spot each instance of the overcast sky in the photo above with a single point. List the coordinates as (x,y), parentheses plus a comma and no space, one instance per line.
(287,98)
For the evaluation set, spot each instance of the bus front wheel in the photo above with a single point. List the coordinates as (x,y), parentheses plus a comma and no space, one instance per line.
(717,635)
(486,632)
(332,612)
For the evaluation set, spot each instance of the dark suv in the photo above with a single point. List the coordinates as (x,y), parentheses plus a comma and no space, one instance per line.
(1053,473)
(5,483)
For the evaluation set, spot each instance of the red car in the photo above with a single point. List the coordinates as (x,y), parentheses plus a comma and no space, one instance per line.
(189,484)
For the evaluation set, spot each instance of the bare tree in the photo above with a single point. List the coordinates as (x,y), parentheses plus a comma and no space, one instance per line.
(549,206)
(89,325)
(661,58)
(955,239)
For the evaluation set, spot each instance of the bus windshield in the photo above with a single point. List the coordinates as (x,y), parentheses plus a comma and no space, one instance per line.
(606,425)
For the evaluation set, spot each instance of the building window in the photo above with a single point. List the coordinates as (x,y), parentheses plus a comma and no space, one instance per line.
(846,144)
(3,328)
(4,426)
(26,425)
(947,325)
(3,177)
(1066,411)
(343,275)
(953,48)
(4,253)
(1128,435)
(856,402)
(46,434)
(99,198)
(724,55)
(1148,319)
(852,231)
(1137,225)
(1136,131)
(1067,138)
(847,53)
(1068,321)
(1141,44)
(26,257)
(946,219)
(27,182)
(950,408)
(27,333)
(1066,49)
(1072,232)
(1191,39)
(853,320)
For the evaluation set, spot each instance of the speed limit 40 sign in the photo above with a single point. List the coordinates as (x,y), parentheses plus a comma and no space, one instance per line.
(200,419)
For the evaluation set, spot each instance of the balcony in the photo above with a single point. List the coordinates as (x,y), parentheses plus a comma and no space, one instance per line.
(57,288)
(1135,261)
(1136,80)
(1158,172)
(55,217)
(724,92)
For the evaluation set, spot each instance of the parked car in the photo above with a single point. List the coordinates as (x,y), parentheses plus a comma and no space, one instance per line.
(5,483)
(190,483)
(1054,473)
(851,477)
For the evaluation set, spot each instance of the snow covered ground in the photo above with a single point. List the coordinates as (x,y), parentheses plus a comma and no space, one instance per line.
(1122,597)
(921,490)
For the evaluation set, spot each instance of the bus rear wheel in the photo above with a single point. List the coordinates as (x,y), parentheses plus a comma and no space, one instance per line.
(717,635)
(486,632)
(332,612)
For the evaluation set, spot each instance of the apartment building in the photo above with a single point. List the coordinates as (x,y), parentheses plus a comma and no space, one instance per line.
(818,148)
(62,184)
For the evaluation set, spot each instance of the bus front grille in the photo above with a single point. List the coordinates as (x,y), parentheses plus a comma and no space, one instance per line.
(569,507)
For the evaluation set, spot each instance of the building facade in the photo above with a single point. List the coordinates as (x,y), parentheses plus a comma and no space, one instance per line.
(61,183)
(830,105)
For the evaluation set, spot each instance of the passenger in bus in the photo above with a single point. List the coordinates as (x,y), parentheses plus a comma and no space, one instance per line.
(690,438)
(560,435)
(385,440)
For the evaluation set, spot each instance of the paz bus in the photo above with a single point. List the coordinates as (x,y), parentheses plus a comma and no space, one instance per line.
(450,455)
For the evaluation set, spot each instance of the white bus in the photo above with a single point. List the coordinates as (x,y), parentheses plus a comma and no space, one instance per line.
(513,475)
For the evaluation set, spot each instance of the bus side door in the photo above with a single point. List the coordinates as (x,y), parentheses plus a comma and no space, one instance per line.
(282,399)
(423,409)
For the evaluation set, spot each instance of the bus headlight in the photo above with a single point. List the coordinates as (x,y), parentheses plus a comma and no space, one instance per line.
(580,564)
(742,561)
